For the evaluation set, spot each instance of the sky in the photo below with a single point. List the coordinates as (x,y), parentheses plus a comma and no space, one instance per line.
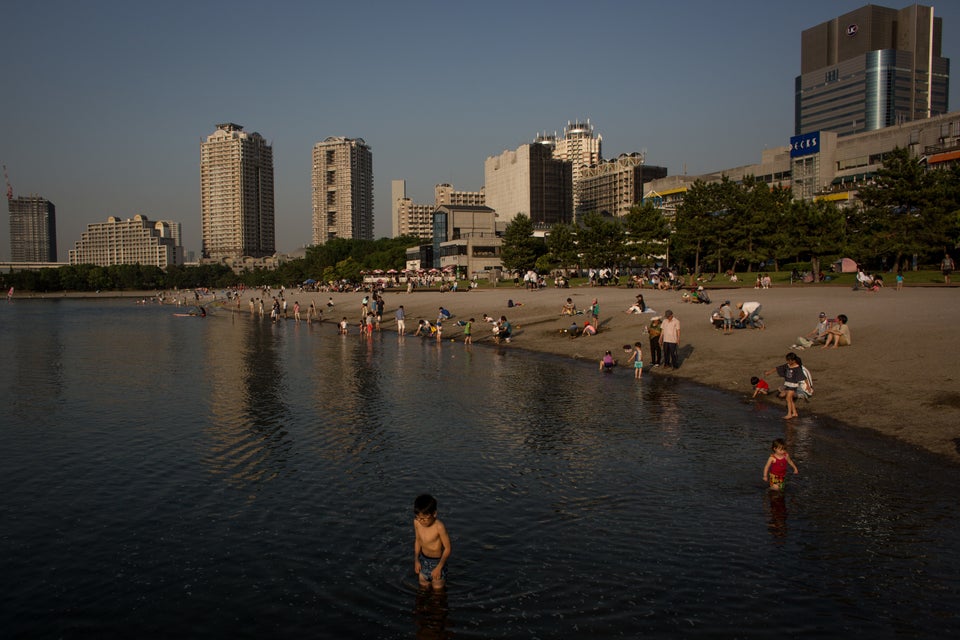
(104,104)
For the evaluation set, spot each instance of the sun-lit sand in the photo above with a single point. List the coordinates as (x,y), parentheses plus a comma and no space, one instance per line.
(896,378)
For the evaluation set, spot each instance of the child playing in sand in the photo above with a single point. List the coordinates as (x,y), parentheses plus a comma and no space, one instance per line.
(636,357)
(760,387)
(775,471)
(431,545)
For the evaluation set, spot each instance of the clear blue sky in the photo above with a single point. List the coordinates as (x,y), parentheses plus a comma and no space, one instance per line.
(104,104)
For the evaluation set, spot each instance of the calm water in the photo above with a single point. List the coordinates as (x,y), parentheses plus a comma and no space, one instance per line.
(224,477)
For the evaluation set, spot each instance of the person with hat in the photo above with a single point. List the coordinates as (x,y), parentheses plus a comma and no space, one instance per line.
(817,335)
(670,340)
(653,332)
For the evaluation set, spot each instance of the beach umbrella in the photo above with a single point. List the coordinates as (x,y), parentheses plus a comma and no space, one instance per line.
(391,271)
(309,281)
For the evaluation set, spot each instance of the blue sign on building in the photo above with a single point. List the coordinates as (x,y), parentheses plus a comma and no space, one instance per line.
(805,145)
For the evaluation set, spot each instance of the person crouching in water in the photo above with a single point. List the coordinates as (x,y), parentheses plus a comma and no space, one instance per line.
(607,363)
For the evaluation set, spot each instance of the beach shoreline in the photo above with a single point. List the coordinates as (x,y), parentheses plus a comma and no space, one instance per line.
(896,378)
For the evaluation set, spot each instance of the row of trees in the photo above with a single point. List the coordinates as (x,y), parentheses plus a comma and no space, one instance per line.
(907,212)
(339,259)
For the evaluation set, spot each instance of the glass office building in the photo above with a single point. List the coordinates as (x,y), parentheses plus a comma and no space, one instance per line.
(871,68)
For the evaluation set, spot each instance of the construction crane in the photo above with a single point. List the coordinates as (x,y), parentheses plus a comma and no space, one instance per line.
(9,188)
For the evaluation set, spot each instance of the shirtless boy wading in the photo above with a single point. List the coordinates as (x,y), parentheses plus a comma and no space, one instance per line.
(431,546)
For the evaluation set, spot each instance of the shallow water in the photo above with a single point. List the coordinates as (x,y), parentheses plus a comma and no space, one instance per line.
(229,477)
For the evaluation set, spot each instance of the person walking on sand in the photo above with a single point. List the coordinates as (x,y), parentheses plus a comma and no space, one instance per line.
(775,471)
(670,340)
(431,543)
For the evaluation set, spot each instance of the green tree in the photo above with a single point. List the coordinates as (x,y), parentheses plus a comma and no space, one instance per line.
(349,270)
(562,245)
(520,249)
(647,233)
(601,241)
(695,224)
(903,212)
(817,229)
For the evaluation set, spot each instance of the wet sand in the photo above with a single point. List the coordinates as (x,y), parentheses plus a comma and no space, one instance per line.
(896,378)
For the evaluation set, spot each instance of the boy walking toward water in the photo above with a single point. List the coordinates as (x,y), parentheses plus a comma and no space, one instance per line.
(431,544)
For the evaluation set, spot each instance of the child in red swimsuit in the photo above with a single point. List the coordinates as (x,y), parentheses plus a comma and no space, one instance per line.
(775,471)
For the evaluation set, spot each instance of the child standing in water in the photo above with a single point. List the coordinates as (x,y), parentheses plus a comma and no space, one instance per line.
(431,544)
(636,357)
(775,471)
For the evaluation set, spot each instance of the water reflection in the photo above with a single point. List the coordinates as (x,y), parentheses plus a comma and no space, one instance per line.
(430,612)
(265,491)
(247,403)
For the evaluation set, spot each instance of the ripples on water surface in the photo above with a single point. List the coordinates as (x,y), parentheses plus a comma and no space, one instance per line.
(225,477)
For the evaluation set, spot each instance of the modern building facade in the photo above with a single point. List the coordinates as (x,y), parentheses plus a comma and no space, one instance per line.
(236,194)
(446,194)
(582,149)
(135,240)
(342,180)
(614,187)
(532,182)
(465,239)
(827,166)
(33,229)
(871,68)
(413,219)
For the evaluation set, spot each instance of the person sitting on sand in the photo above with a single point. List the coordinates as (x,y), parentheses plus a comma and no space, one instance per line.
(838,334)
(568,308)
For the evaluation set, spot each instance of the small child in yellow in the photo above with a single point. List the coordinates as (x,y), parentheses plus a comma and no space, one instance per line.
(431,545)
(776,467)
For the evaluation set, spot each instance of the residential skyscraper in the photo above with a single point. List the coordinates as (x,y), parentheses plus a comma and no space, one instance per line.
(33,229)
(529,181)
(342,181)
(581,148)
(236,194)
(871,68)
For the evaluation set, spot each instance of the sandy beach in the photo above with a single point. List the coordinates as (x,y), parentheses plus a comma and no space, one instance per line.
(896,378)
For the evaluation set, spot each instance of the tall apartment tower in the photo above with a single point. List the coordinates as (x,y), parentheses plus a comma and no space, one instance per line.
(871,68)
(529,181)
(342,190)
(578,146)
(33,229)
(236,194)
